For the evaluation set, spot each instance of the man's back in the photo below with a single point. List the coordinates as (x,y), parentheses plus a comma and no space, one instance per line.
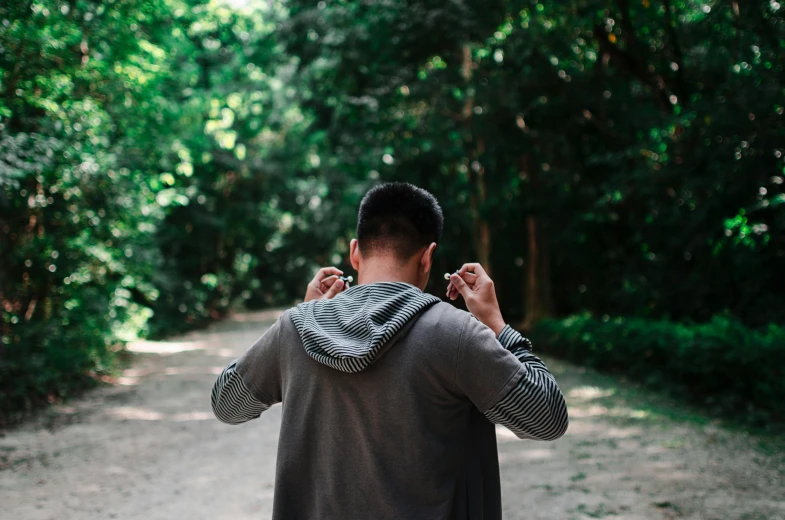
(392,436)
(380,389)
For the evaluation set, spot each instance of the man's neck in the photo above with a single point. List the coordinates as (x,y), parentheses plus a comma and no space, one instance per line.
(385,269)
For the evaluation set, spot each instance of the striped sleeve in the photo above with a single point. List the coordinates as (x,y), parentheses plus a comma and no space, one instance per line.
(535,407)
(512,340)
(232,402)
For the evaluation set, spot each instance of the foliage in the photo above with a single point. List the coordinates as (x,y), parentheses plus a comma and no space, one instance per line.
(142,153)
(77,201)
(645,139)
(164,160)
(721,364)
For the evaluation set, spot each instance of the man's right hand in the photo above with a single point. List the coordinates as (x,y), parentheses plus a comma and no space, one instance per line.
(476,287)
(325,285)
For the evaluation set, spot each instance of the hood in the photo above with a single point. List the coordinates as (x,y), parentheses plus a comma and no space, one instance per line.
(350,331)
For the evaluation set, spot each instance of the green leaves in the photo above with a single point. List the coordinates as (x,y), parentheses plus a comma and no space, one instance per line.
(79,145)
(721,365)
(181,156)
(619,125)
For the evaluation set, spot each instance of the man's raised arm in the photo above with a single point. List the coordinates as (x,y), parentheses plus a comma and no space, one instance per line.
(534,408)
(252,384)
(509,385)
(232,402)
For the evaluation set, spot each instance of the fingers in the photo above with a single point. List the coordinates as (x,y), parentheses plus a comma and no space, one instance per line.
(459,285)
(334,289)
(469,278)
(324,272)
(475,268)
(329,281)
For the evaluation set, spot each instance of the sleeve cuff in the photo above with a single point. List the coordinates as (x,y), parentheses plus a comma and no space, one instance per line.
(511,338)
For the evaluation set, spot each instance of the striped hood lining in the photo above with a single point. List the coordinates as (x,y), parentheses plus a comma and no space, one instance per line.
(350,331)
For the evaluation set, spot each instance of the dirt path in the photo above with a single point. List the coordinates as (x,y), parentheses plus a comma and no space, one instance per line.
(150,448)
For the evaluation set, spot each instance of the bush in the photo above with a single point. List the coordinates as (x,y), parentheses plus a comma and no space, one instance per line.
(721,364)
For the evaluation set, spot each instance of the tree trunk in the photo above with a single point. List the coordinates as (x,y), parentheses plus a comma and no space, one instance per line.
(481,229)
(537,289)
(477,182)
(537,283)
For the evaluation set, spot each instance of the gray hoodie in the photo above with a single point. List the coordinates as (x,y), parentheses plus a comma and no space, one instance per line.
(388,397)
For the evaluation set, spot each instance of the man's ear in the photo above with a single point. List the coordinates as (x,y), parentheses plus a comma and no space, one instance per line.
(426,260)
(354,254)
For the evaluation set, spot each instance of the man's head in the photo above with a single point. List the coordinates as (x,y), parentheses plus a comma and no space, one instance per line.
(398,224)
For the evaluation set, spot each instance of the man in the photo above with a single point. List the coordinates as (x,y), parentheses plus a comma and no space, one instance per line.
(388,393)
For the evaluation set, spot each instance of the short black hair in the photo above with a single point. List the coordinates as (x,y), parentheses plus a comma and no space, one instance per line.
(399,218)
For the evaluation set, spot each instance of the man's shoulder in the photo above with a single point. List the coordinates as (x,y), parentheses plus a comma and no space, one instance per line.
(444,318)
(286,325)
(456,323)
(447,311)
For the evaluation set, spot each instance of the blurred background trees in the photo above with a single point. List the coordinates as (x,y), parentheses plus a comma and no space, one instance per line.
(162,161)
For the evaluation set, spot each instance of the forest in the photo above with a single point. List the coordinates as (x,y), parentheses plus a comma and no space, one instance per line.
(617,166)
